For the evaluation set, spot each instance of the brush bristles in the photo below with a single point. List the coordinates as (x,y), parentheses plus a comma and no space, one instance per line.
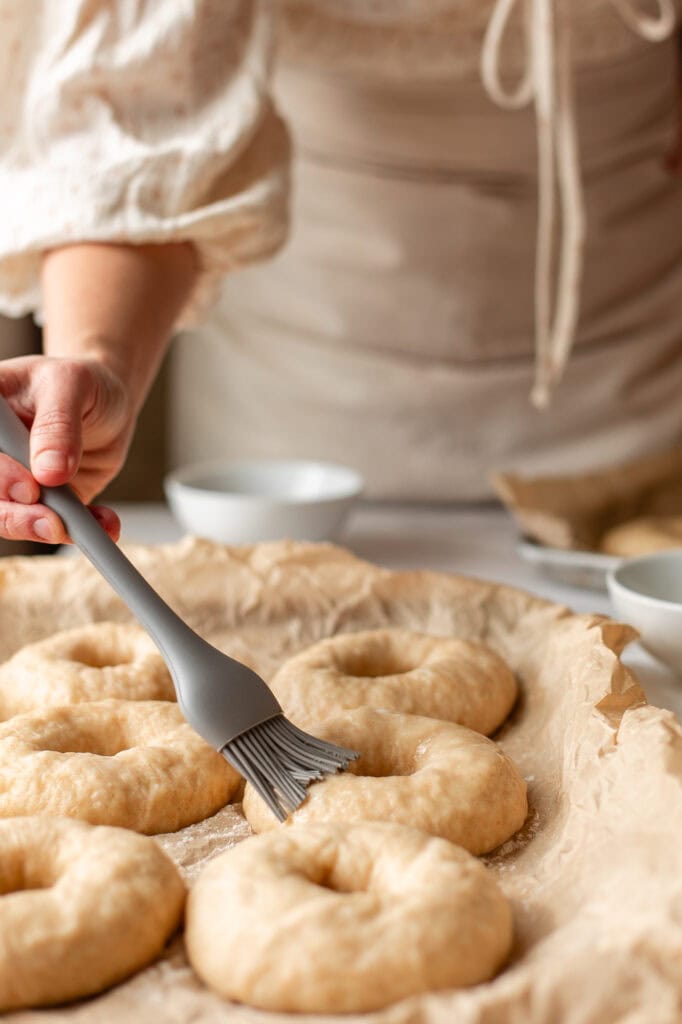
(279,760)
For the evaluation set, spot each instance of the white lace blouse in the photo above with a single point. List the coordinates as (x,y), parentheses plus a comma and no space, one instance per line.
(137,121)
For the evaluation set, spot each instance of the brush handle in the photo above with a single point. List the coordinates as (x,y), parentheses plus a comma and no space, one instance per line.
(218,712)
(84,530)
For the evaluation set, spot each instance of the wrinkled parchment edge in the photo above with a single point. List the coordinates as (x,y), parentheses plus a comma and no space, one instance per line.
(610,719)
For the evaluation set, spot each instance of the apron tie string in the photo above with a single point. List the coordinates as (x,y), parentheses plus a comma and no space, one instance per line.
(547,80)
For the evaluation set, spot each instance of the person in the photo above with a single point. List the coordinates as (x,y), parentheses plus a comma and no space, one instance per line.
(141,158)
(418,302)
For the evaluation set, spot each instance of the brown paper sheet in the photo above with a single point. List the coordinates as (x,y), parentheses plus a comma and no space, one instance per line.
(576,511)
(594,877)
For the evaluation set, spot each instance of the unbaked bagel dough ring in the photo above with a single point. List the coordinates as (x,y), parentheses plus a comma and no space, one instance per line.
(399,670)
(94,662)
(442,778)
(81,908)
(344,918)
(135,764)
(643,536)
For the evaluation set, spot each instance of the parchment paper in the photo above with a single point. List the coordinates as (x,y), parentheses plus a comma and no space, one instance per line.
(576,511)
(594,877)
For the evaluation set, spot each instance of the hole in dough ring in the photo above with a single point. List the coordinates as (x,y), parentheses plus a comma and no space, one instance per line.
(94,662)
(135,764)
(442,778)
(399,670)
(379,912)
(81,908)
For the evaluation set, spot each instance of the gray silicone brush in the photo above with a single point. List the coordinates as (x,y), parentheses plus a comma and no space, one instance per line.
(224,701)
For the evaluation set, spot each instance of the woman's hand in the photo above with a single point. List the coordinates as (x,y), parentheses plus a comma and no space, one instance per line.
(81,422)
(109,311)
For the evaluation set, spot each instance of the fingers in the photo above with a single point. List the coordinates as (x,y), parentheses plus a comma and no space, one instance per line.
(16,482)
(36,522)
(107,519)
(22,517)
(60,398)
(54,398)
(30,522)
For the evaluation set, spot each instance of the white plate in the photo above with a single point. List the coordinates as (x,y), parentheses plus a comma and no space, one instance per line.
(577,568)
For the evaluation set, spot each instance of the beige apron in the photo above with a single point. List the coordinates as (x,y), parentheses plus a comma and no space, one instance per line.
(396,330)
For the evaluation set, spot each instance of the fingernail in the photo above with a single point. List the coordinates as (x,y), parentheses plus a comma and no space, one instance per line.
(43,529)
(52,460)
(104,520)
(22,493)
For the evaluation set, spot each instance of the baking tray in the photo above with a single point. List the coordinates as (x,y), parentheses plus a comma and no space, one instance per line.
(578,568)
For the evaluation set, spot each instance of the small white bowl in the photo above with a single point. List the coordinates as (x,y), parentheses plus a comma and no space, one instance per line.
(647,593)
(262,499)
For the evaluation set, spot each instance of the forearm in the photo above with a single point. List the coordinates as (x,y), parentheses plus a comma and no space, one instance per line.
(117,304)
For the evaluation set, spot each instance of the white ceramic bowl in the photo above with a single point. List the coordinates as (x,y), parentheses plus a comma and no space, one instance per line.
(262,499)
(647,593)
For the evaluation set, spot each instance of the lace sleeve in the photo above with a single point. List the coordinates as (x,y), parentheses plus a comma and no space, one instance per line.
(138,122)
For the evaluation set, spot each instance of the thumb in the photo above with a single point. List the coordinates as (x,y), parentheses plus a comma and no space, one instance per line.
(56,432)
